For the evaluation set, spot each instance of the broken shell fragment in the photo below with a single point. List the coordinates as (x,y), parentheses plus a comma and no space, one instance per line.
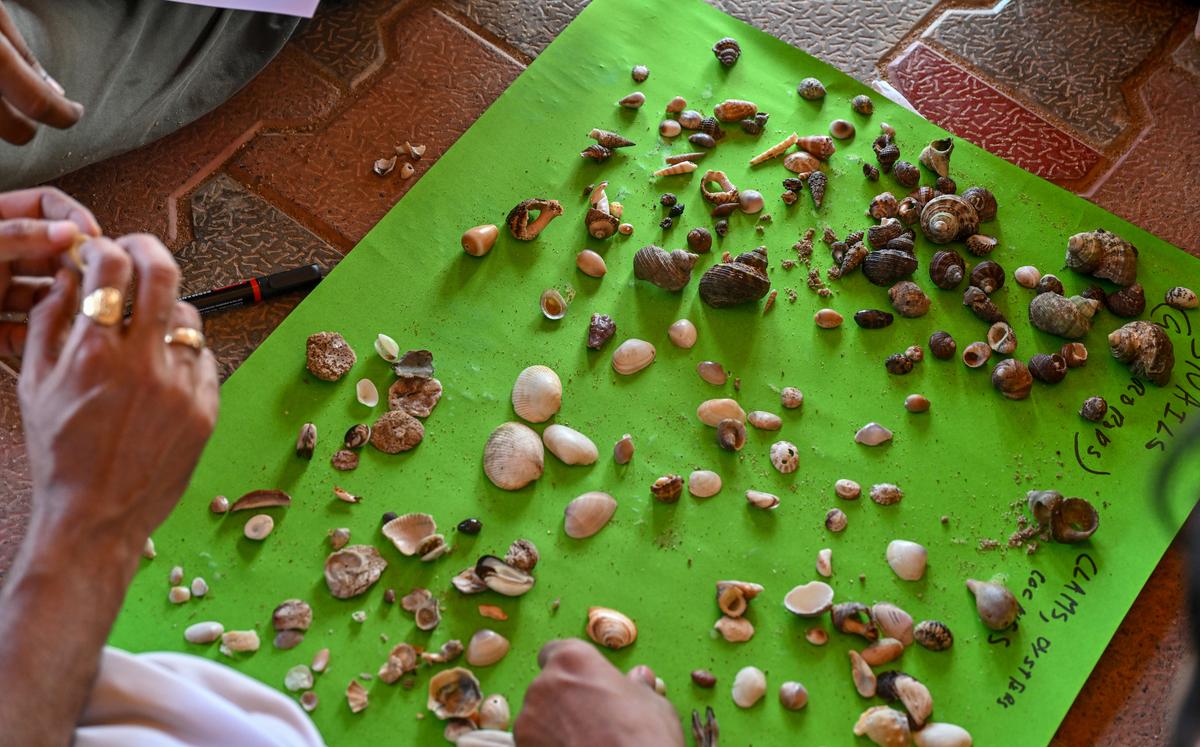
(1146,348)
(553,305)
(976,354)
(731,434)
(261,499)
(872,434)
(519,223)
(884,726)
(893,622)
(785,457)
(258,527)
(996,605)
(352,570)
(825,562)
(339,538)
(816,636)
(298,678)
(569,445)
(239,642)
(759,499)
(513,456)
(486,647)
(933,635)
(749,685)
(610,628)
(936,156)
(682,333)
(591,264)
(356,697)
(503,578)
(734,629)
(1073,520)
(479,240)
(1075,354)
(1001,338)
(704,483)
(292,614)
(522,555)
(366,393)
(454,693)
(864,678)
(854,618)
(809,600)
(632,356)
(588,514)
(907,559)
(733,597)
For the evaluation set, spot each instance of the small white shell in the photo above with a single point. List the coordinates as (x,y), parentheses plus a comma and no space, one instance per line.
(298,678)
(704,483)
(513,456)
(569,445)
(690,119)
(203,632)
(764,421)
(633,100)
(809,600)
(554,306)
(632,356)
(199,587)
(487,738)
(751,201)
(1027,276)
(785,457)
(588,514)
(749,685)
(537,394)
(765,501)
(682,333)
(872,434)
(847,489)
(713,411)
(669,128)
(387,348)
(494,713)
(591,264)
(942,735)
(907,559)
(486,647)
(366,392)
(825,562)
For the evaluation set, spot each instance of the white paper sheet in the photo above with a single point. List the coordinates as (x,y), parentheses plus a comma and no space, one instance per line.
(304,8)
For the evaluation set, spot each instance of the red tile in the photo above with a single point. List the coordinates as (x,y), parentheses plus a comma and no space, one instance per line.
(968,106)
(346,38)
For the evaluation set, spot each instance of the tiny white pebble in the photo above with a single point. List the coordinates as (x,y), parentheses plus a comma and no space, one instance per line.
(359,616)
(199,587)
(176,575)
(179,594)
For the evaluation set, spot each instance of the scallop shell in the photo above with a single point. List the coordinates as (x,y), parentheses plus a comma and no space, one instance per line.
(610,628)
(352,570)
(948,218)
(537,394)
(356,697)
(454,693)
(668,270)
(821,146)
(486,647)
(749,686)
(809,600)
(907,559)
(591,264)
(407,532)
(801,162)
(704,483)
(731,110)
(936,156)
(588,514)
(632,356)
(713,411)
(1066,317)
(569,445)
(513,456)
(1103,255)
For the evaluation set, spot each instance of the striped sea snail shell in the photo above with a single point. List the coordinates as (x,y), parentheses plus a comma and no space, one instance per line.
(742,280)
(732,110)
(1066,317)
(947,269)
(668,270)
(983,201)
(727,192)
(948,218)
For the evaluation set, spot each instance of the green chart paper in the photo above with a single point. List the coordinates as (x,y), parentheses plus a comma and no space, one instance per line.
(968,458)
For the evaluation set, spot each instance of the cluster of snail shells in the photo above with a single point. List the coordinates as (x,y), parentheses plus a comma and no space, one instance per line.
(740,281)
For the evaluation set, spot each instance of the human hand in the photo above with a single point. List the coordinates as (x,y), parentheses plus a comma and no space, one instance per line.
(27,92)
(580,699)
(115,418)
(36,227)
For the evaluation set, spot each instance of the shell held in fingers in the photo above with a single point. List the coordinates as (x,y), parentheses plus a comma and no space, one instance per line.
(513,456)
(588,514)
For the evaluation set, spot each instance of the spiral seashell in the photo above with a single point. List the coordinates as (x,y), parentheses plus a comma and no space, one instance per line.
(1058,315)
(690,119)
(1103,255)
(981,305)
(947,269)
(906,174)
(1127,302)
(601,328)
(870,172)
(776,150)
(596,152)
(878,236)
(668,270)
(909,211)
(883,205)
(1011,378)
(600,225)
(1049,368)
(737,282)
(1002,339)
(886,266)
(942,345)
(936,156)
(981,245)
(908,299)
(887,156)
(947,218)
(810,89)
(1147,350)
(727,51)
(853,257)
(609,139)
(816,187)
(727,192)
(731,110)
(610,628)
(683,167)
(756,124)
(454,693)
(945,185)
(821,146)
(988,277)
(588,514)
(983,201)
(513,456)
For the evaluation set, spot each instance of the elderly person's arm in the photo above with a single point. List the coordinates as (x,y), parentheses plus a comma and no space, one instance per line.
(115,420)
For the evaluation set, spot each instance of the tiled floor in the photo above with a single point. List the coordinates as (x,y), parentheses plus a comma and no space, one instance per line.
(1101,96)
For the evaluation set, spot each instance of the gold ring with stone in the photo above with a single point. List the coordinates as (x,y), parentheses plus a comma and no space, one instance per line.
(104,306)
(193,338)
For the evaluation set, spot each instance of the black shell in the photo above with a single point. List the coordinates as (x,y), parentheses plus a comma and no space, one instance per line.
(987,276)
(737,282)
(947,269)
(1050,284)
(711,126)
(885,266)
(983,201)
(703,139)
(942,345)
(699,240)
(793,184)
(1096,293)
(887,157)
(902,243)
(979,303)
(898,364)
(1127,302)
(873,318)
(945,185)
(1049,368)
(906,173)
(816,187)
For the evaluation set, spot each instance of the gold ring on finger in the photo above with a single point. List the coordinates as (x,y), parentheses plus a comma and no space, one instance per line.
(104,306)
(193,338)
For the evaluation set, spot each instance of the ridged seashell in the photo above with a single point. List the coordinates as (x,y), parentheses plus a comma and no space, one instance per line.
(801,163)
(947,269)
(936,734)
(981,245)
(776,150)
(668,270)
(908,299)
(907,175)
(513,456)
(863,104)
(888,155)
(809,600)
(569,445)
(1147,350)
(591,264)
(713,411)
(821,146)
(942,345)
(727,51)
(948,218)
(945,185)
(632,356)
(734,629)
(1181,298)
(884,726)
(764,421)
(610,139)
(888,229)
(731,110)
(756,124)
(817,182)
(983,201)
(537,394)
(1073,520)
(996,605)
(596,152)
(633,100)
(553,305)
(883,205)
(981,305)
(1103,255)
(601,328)
(908,211)
(711,126)
(740,281)
(1001,338)
(610,628)
(683,167)
(847,490)
(987,276)
(1049,368)
(903,243)
(407,532)
(600,225)
(810,89)
(519,223)
(872,318)
(486,647)
(1127,302)
(885,267)
(936,156)
(1027,276)
(454,693)
(1011,378)
(704,483)
(588,514)
(893,622)
(1042,504)
(357,697)
(907,559)
(1058,315)
(933,635)
(785,457)
(871,172)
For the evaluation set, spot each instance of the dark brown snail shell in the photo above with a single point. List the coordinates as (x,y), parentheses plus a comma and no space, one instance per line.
(945,185)
(947,269)
(902,243)
(1011,378)
(727,51)
(1147,350)
(596,152)
(948,218)
(852,258)
(1127,302)
(923,194)
(987,276)
(908,299)
(1075,354)
(887,157)
(873,318)
(699,240)
(1097,294)
(601,328)
(1050,284)
(1073,520)
(983,201)
(871,172)
(886,266)
(1048,368)
(909,211)
(1093,409)
(737,282)
(878,236)
(816,187)
(668,270)
(980,244)
(703,139)
(982,306)
(898,364)
(906,173)
(711,126)
(942,345)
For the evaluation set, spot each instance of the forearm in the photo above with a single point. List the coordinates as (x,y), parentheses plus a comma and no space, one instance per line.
(56,610)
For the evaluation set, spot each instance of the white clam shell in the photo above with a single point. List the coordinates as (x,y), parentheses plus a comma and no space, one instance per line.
(704,483)
(764,421)
(872,434)
(893,622)
(682,333)
(1027,276)
(942,735)
(713,411)
(486,647)
(537,394)
(588,514)
(632,356)
(494,713)
(513,456)
(203,632)
(591,264)
(366,392)
(809,600)
(907,559)
(749,685)
(387,348)
(569,445)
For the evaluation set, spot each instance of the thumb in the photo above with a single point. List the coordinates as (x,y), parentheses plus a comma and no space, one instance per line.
(31,239)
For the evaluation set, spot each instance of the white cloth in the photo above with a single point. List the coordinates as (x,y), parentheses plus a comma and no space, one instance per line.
(176,700)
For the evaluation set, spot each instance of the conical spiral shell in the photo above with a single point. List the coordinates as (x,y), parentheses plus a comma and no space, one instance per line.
(947,269)
(948,218)
(513,456)
(1066,317)
(668,270)
(537,394)
(610,628)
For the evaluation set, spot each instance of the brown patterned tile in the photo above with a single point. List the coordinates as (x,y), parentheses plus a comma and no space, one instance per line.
(15,488)
(529,27)
(441,78)
(346,38)
(1067,57)
(1187,54)
(971,108)
(240,236)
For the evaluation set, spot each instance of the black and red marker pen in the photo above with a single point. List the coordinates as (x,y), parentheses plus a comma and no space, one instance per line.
(255,290)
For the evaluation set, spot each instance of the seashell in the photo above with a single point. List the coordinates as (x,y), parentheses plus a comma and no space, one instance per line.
(801,163)
(258,527)
(793,696)
(591,264)
(906,173)
(749,685)
(596,152)
(383,166)
(893,622)
(366,393)
(908,299)
(1027,276)
(356,697)
(495,713)
(623,450)
(339,538)
(486,647)
(886,266)
(841,129)
(816,636)
(256,499)
(942,345)
(898,364)
(676,105)
(764,421)
(502,577)
(711,126)
(731,434)
(454,693)
(853,618)
(887,156)
(816,187)
(810,89)
(828,319)
(862,104)
(1062,316)
(588,514)
(1073,520)
(633,100)
(1048,368)
(847,490)
(872,434)
(554,306)
(945,185)
(909,211)
(727,51)
(683,167)
(690,119)
(987,276)
(878,236)
(791,397)
(1042,504)
(632,356)
(756,124)
(732,110)
(983,201)
(740,281)
(871,172)
(933,635)
(759,499)
(884,726)
(976,354)
(486,738)
(907,559)
(821,146)
(864,678)
(600,225)
(609,139)
(569,445)
(667,488)
(936,156)
(640,73)
(477,242)
(872,318)
(981,245)
(522,555)
(947,269)
(699,240)
(948,218)
(912,694)
(610,628)
(1127,302)
(883,205)
(519,223)
(1181,298)
(537,394)
(886,494)
(981,305)
(1075,354)
(704,483)
(825,562)
(601,328)
(785,457)
(713,411)
(734,629)
(1011,378)
(203,632)
(835,520)
(712,372)
(750,201)
(936,734)
(916,403)
(809,600)
(352,570)
(727,192)
(513,456)
(1001,338)
(1147,350)
(407,532)
(996,605)
(1103,255)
